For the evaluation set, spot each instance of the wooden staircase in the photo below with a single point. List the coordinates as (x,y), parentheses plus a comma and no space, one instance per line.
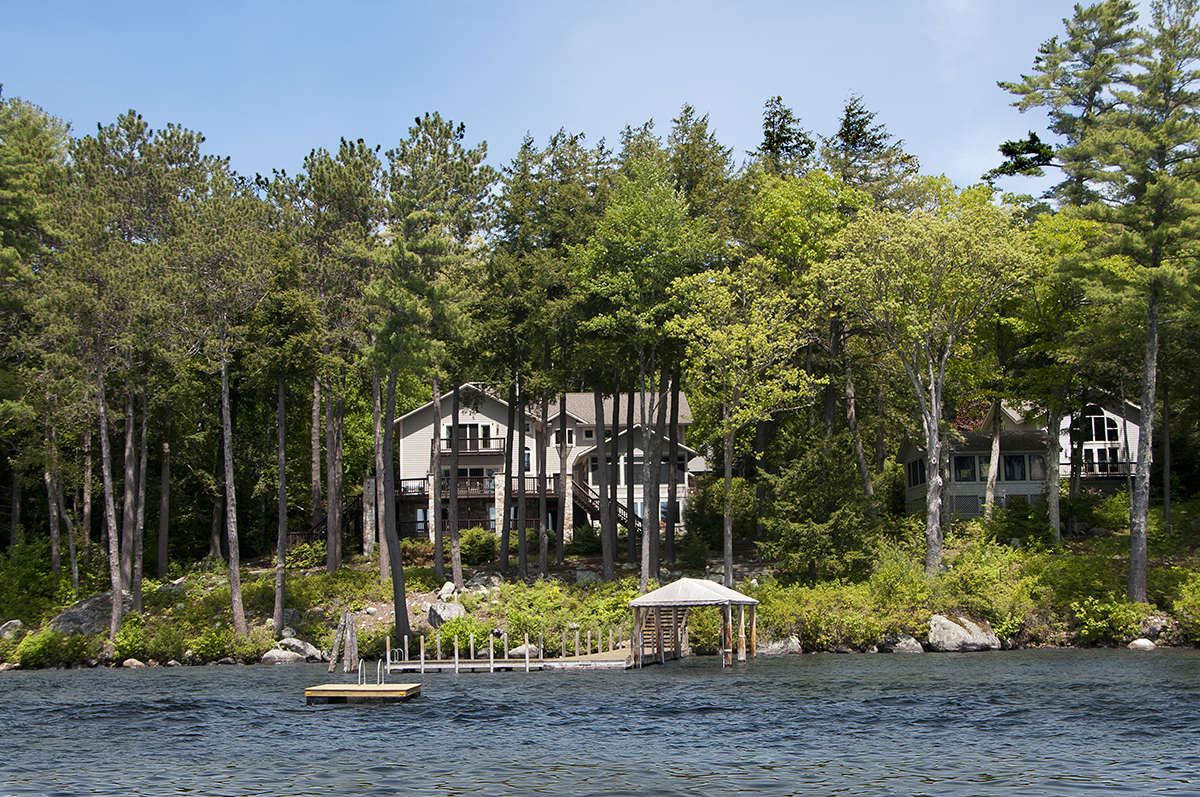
(586,499)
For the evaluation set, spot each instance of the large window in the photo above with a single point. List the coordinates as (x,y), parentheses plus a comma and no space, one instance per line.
(1037,467)
(985,466)
(964,468)
(1097,427)
(1014,467)
(915,471)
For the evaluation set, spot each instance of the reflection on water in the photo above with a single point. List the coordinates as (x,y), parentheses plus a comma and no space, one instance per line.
(1014,723)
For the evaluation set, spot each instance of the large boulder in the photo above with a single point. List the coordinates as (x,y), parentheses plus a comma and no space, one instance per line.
(1142,644)
(485,579)
(584,576)
(91,615)
(448,591)
(520,650)
(133,664)
(280,656)
(958,634)
(441,611)
(299,646)
(900,643)
(781,647)
(12,629)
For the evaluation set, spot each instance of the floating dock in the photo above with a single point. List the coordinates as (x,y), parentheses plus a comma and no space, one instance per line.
(360,693)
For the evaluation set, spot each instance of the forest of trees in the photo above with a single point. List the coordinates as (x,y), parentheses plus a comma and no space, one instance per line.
(250,341)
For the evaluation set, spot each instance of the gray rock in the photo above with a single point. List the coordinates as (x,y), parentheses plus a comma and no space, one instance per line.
(1142,644)
(447,591)
(226,660)
(132,664)
(370,610)
(280,656)
(900,643)
(485,579)
(1098,532)
(288,631)
(441,612)
(176,587)
(519,651)
(781,647)
(12,629)
(958,634)
(6,666)
(586,577)
(89,616)
(1155,628)
(299,646)
(172,663)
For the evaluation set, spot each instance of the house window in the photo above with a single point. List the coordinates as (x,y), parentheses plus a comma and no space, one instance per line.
(527,458)
(985,466)
(1014,467)
(558,437)
(964,469)
(1037,467)
(589,434)
(1097,427)
(916,472)
(637,473)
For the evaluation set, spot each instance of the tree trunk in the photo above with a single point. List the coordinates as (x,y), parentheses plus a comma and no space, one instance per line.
(880,442)
(218,516)
(1166,436)
(110,508)
(380,496)
(140,522)
(614,474)
(989,495)
(86,521)
(864,470)
(62,511)
(933,491)
(829,415)
(1053,456)
(281,528)
(673,469)
(235,575)
(391,538)
(439,562)
(455,551)
(564,500)
(317,511)
(543,504)
(1141,483)
(506,503)
(55,539)
(522,540)
(630,517)
(606,527)
(164,497)
(129,506)
(654,510)
(333,498)
(727,546)
(14,537)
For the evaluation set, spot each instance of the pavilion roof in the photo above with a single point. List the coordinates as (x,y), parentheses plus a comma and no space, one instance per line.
(692,592)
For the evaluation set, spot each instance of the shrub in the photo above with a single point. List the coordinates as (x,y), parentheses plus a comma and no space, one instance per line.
(419,579)
(131,638)
(28,592)
(306,555)
(704,513)
(50,648)
(1110,621)
(1187,607)
(214,643)
(585,541)
(704,630)
(477,546)
(693,551)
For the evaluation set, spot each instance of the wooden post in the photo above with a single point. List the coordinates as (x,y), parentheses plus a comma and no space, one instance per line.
(404,653)
(350,657)
(727,636)
(422,655)
(491,656)
(456,654)
(387,652)
(741,633)
(576,641)
(564,643)
(587,651)
(472,646)
(505,644)
(753,632)
(439,645)
(635,654)
(610,640)
(662,654)
(337,642)
(526,652)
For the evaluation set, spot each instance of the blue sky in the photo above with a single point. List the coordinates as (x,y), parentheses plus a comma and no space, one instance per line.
(268,81)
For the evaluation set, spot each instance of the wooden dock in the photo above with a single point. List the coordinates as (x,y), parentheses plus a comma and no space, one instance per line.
(358,693)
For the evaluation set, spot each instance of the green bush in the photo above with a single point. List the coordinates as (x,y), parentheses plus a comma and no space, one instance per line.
(477,546)
(306,555)
(49,648)
(1020,520)
(463,627)
(1104,622)
(705,511)
(213,644)
(585,541)
(419,579)
(28,592)
(704,630)
(693,551)
(131,638)
(1187,607)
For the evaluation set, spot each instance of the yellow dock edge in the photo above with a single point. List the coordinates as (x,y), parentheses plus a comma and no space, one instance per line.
(344,693)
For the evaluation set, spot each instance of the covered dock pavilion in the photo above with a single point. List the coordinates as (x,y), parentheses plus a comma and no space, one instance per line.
(665,612)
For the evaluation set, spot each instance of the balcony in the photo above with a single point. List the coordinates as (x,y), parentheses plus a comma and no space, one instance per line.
(474,446)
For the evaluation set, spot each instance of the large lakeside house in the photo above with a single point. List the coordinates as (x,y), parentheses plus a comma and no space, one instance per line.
(1106,436)
(483,433)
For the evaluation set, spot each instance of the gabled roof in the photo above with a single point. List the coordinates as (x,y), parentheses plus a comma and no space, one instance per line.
(693,592)
(582,407)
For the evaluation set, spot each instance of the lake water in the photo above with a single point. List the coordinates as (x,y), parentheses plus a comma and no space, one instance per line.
(1048,722)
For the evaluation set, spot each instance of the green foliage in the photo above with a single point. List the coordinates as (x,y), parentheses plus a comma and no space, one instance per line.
(1186,607)
(820,521)
(213,644)
(584,542)
(477,546)
(1020,520)
(131,638)
(704,513)
(704,630)
(988,580)
(419,579)
(463,627)
(1112,621)
(306,555)
(692,551)
(50,648)
(28,592)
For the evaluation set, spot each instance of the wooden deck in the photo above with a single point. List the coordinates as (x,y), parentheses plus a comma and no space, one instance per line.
(356,693)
